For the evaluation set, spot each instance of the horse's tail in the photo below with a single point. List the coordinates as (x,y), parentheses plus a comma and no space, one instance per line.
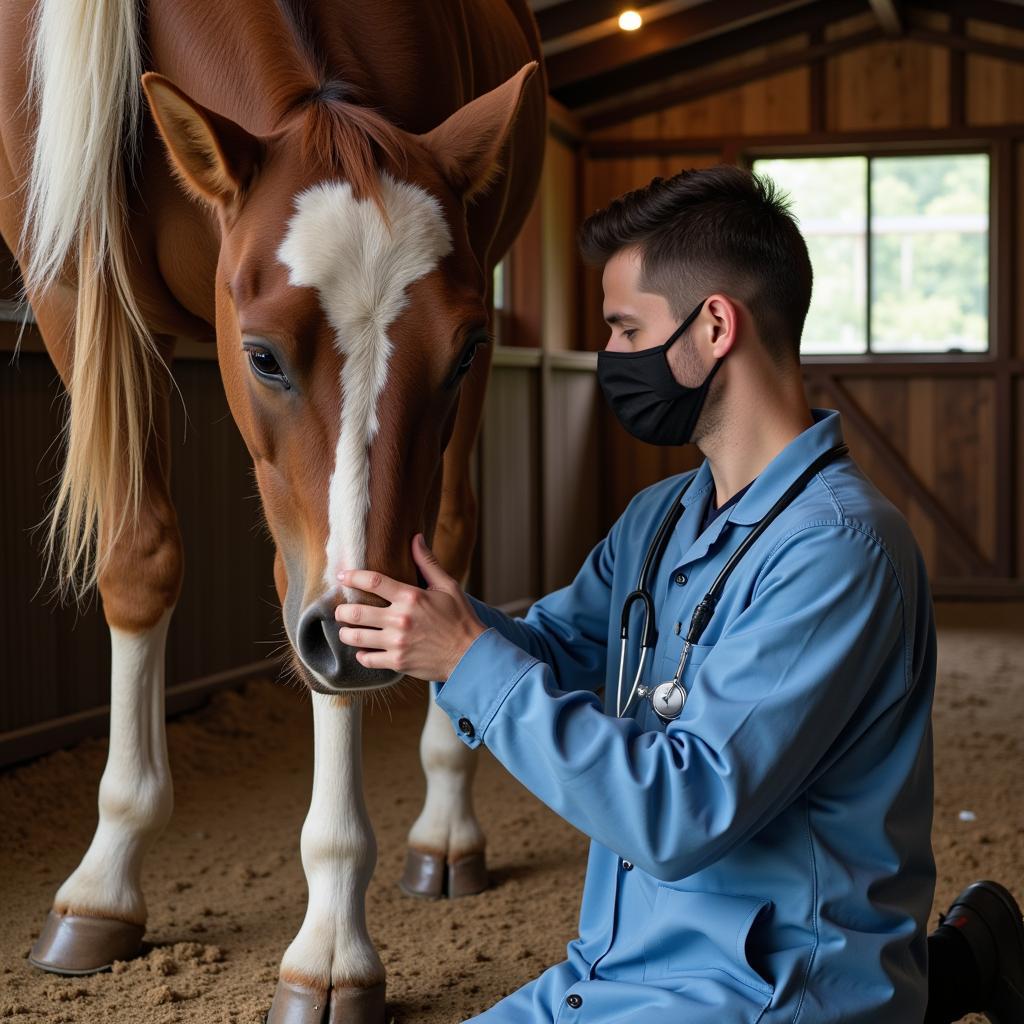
(85,67)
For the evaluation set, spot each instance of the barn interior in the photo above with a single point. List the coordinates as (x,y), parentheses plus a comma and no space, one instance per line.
(897,127)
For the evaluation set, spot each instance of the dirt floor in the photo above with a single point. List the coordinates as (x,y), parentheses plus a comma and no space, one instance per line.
(225,887)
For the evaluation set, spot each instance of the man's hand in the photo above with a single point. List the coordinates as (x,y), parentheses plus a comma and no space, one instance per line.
(421,633)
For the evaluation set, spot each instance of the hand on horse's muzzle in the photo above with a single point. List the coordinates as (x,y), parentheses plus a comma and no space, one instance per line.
(420,632)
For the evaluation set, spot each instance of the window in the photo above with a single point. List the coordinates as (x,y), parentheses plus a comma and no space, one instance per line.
(499,284)
(899,246)
(499,331)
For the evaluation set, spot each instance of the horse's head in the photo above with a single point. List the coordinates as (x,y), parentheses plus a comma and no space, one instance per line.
(349,304)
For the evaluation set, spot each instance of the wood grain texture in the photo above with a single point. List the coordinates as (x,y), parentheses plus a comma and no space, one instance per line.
(559,256)
(945,430)
(509,493)
(888,84)
(523,314)
(995,88)
(573,472)
(779,103)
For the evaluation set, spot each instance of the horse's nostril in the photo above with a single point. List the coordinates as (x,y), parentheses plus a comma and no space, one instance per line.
(318,642)
(331,661)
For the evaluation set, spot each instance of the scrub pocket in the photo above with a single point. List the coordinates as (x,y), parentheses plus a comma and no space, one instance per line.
(697,946)
(670,662)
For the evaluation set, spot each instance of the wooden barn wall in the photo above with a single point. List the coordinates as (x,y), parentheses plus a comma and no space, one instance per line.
(940,438)
(539,455)
(540,472)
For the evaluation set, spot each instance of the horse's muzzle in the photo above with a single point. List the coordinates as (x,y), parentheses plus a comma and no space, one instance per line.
(332,664)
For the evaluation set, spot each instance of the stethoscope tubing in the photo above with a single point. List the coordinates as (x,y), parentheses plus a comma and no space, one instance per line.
(706,608)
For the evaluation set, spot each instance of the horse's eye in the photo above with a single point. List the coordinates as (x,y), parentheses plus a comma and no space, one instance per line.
(265,364)
(263,361)
(466,360)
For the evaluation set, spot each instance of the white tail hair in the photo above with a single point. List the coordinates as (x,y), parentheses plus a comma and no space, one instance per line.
(85,67)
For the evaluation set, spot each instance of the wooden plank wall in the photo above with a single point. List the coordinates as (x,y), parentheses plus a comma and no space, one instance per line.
(953,458)
(540,472)
(547,469)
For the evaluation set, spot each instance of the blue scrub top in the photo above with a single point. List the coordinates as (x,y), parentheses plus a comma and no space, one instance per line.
(765,857)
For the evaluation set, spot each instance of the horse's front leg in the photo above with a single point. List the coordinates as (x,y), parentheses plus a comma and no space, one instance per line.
(445,855)
(99,913)
(331,971)
(446,843)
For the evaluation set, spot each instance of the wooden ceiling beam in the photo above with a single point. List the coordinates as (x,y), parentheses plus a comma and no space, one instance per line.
(572,15)
(728,80)
(620,80)
(889,16)
(982,47)
(831,143)
(1001,12)
(687,26)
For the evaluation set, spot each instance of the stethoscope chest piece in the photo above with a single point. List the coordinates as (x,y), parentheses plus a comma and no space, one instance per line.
(667,699)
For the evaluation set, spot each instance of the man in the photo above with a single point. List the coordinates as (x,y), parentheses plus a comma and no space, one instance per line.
(761,848)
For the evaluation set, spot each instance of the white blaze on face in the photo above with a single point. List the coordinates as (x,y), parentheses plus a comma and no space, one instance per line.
(361,266)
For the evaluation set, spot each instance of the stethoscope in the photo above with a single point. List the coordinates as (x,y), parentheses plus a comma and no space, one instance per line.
(667,698)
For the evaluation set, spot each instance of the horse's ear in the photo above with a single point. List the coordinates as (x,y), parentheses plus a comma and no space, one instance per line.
(214,157)
(467,146)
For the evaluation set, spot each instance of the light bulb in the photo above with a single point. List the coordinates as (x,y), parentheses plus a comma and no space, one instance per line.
(630,21)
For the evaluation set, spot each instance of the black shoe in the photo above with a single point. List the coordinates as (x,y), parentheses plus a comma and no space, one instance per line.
(988,917)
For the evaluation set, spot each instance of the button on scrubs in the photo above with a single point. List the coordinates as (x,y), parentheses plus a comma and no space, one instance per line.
(766,856)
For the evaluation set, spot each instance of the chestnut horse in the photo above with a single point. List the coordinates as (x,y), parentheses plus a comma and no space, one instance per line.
(323,189)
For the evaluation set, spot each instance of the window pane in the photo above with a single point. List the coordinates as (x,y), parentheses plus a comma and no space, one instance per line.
(499,285)
(929,253)
(829,200)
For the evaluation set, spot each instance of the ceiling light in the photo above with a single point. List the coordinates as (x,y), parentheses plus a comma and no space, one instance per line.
(630,21)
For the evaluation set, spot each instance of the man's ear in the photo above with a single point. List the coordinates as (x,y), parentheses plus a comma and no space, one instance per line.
(214,157)
(725,322)
(467,145)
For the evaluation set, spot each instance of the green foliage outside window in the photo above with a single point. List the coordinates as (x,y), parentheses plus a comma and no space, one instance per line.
(927,250)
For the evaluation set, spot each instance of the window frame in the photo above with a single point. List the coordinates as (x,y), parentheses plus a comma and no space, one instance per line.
(997,338)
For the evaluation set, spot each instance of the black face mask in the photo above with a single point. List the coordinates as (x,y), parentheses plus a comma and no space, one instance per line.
(647,400)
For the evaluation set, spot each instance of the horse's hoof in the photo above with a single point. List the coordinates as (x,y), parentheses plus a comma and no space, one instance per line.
(304,1004)
(467,876)
(431,876)
(75,944)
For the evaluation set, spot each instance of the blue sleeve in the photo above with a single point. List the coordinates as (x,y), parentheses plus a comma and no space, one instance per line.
(824,631)
(567,629)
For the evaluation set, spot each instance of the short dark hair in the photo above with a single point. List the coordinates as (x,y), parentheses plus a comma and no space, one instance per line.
(716,229)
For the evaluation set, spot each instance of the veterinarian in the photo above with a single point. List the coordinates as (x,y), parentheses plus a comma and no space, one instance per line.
(760,821)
